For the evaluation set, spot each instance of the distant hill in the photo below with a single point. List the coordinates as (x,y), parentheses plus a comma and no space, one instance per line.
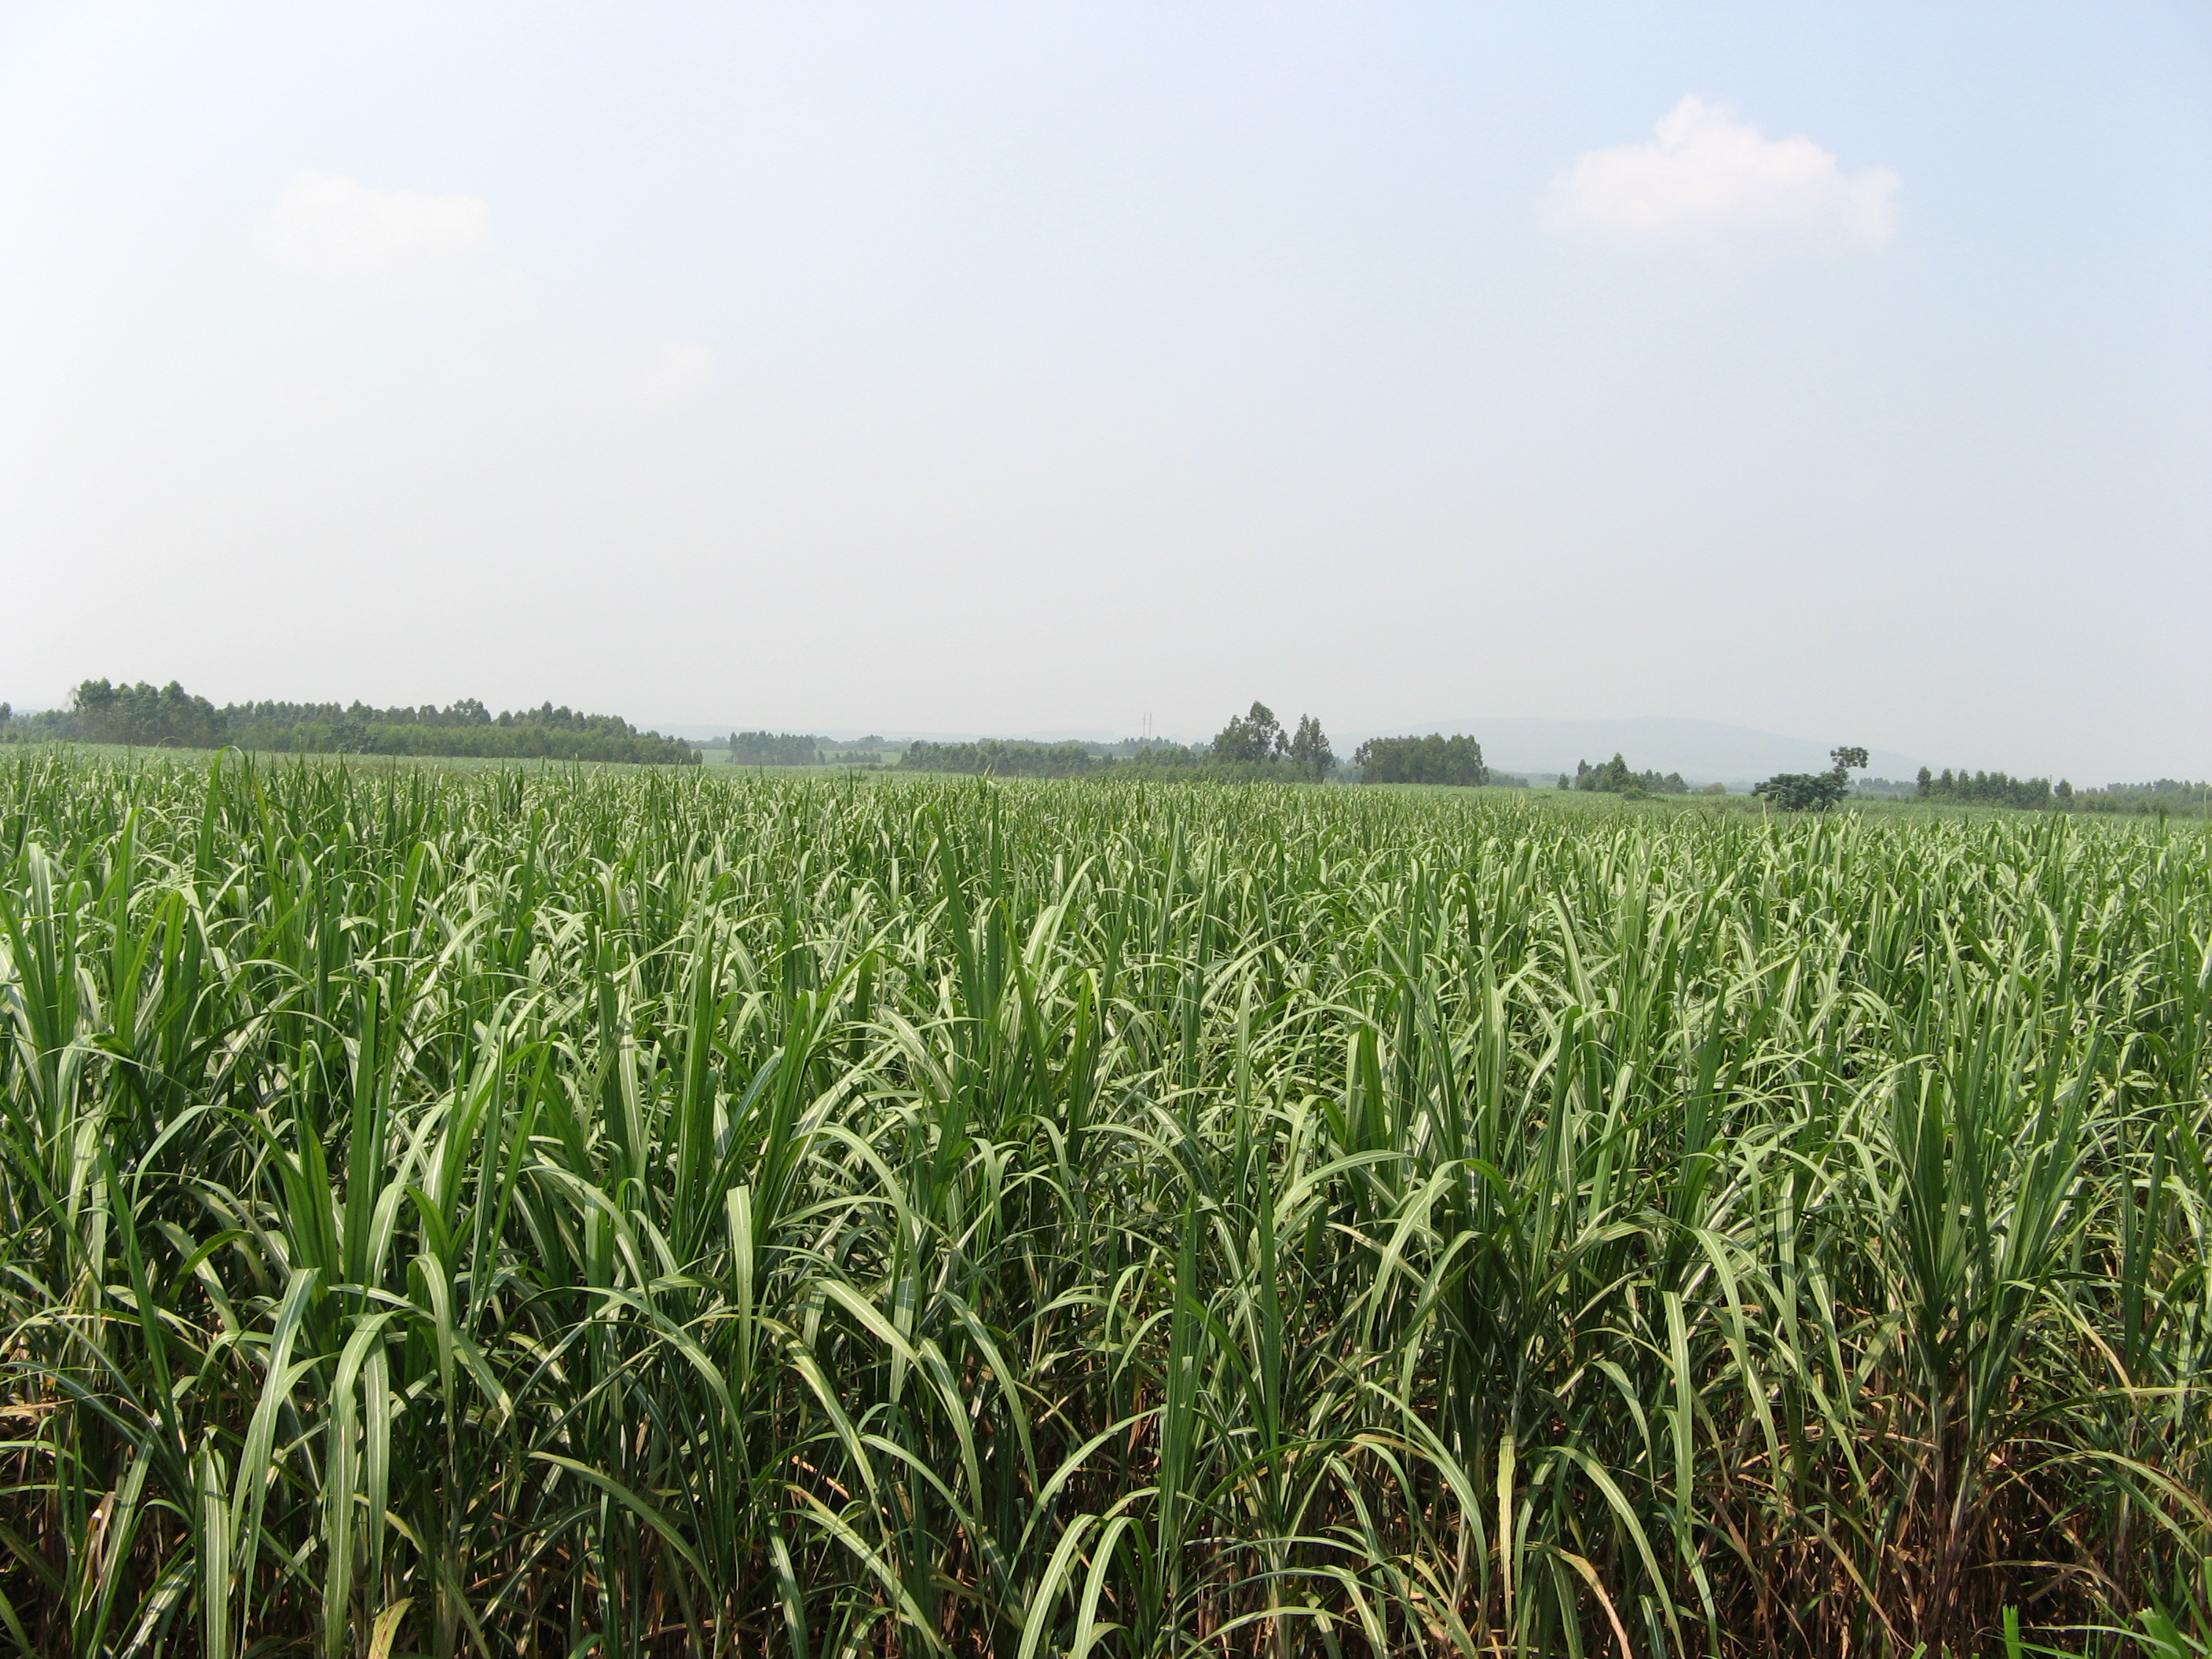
(1701,751)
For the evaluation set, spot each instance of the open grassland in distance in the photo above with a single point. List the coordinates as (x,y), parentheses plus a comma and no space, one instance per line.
(520,1211)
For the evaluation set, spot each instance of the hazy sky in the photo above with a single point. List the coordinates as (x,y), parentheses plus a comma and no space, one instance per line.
(1842,371)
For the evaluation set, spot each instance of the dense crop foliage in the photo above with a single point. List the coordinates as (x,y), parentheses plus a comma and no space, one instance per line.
(519,1213)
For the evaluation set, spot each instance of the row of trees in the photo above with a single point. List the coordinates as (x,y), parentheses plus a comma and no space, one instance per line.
(1005,757)
(169,717)
(1994,789)
(1253,746)
(1613,777)
(2171,795)
(774,748)
(794,747)
(166,716)
(463,713)
(1433,759)
(1793,792)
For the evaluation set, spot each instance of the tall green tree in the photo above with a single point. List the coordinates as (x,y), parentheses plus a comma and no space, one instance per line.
(1311,753)
(1254,737)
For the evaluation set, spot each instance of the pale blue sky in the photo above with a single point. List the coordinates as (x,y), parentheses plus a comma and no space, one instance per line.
(1036,367)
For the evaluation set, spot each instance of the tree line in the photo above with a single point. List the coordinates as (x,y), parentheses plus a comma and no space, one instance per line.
(1433,759)
(1255,746)
(2171,795)
(774,748)
(169,717)
(1005,757)
(793,748)
(1252,747)
(1613,777)
(1994,789)
(2176,796)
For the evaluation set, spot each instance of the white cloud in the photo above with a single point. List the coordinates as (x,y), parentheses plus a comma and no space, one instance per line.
(675,370)
(1709,172)
(329,225)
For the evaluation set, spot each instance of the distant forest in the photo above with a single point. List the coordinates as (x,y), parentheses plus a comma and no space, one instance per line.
(1433,759)
(1005,757)
(1613,777)
(774,748)
(1252,748)
(1995,788)
(791,748)
(1019,758)
(169,717)
(2169,795)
